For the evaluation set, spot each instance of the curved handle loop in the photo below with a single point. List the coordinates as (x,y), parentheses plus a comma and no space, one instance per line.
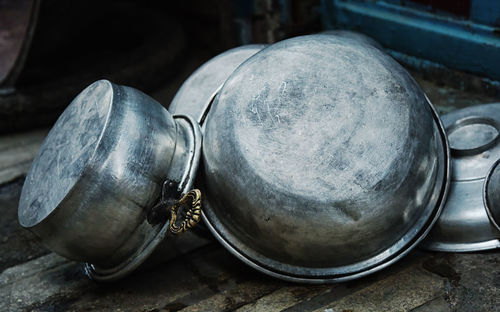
(193,214)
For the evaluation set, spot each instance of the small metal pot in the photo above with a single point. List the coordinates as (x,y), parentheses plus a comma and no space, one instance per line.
(324,161)
(197,92)
(101,168)
(464,225)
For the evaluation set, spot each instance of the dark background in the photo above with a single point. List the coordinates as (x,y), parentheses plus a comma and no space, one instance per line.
(143,44)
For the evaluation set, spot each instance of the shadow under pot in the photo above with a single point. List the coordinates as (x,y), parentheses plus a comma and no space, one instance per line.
(469,221)
(323,161)
(90,194)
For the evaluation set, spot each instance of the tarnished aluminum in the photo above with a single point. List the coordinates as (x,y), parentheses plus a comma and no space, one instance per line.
(473,133)
(324,161)
(99,170)
(492,196)
(196,93)
(353,35)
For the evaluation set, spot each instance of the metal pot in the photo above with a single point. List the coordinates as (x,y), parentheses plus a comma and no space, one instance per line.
(491,195)
(323,161)
(101,168)
(196,93)
(353,35)
(464,226)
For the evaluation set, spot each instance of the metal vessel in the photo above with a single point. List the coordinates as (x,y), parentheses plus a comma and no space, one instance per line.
(464,224)
(196,93)
(324,161)
(353,35)
(90,192)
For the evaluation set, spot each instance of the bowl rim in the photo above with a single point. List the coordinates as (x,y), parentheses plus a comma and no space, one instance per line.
(313,277)
(486,200)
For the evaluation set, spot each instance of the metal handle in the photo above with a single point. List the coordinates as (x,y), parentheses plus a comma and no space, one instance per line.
(193,214)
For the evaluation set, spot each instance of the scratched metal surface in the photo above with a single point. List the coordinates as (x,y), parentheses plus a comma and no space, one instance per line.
(204,277)
(340,150)
(195,94)
(71,144)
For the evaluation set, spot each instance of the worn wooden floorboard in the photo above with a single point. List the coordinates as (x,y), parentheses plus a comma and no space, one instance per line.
(17,152)
(16,244)
(209,279)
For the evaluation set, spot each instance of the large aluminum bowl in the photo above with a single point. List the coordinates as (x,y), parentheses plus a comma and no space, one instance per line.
(323,161)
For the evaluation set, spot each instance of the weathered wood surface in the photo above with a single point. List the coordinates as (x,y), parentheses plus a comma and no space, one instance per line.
(194,273)
(17,152)
(209,279)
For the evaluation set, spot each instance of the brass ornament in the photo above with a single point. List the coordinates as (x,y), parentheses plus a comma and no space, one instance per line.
(193,214)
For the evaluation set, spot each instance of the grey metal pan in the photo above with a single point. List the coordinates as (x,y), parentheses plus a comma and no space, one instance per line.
(196,93)
(323,161)
(464,224)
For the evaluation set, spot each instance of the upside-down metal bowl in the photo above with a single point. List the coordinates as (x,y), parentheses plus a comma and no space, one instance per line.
(465,225)
(196,93)
(323,161)
(353,35)
(200,88)
(100,169)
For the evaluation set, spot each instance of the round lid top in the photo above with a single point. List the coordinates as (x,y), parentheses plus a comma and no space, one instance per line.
(473,136)
(196,93)
(64,153)
(331,153)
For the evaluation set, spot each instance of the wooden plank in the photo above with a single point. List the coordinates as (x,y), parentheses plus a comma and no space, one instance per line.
(52,281)
(39,281)
(286,297)
(408,289)
(18,245)
(17,152)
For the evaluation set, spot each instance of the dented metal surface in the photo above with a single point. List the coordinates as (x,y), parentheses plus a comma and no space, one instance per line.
(98,171)
(323,161)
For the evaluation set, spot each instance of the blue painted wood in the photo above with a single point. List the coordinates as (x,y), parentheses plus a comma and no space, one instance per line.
(455,43)
(486,12)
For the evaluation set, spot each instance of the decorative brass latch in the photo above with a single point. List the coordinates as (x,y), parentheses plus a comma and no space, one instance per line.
(169,208)
(193,214)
